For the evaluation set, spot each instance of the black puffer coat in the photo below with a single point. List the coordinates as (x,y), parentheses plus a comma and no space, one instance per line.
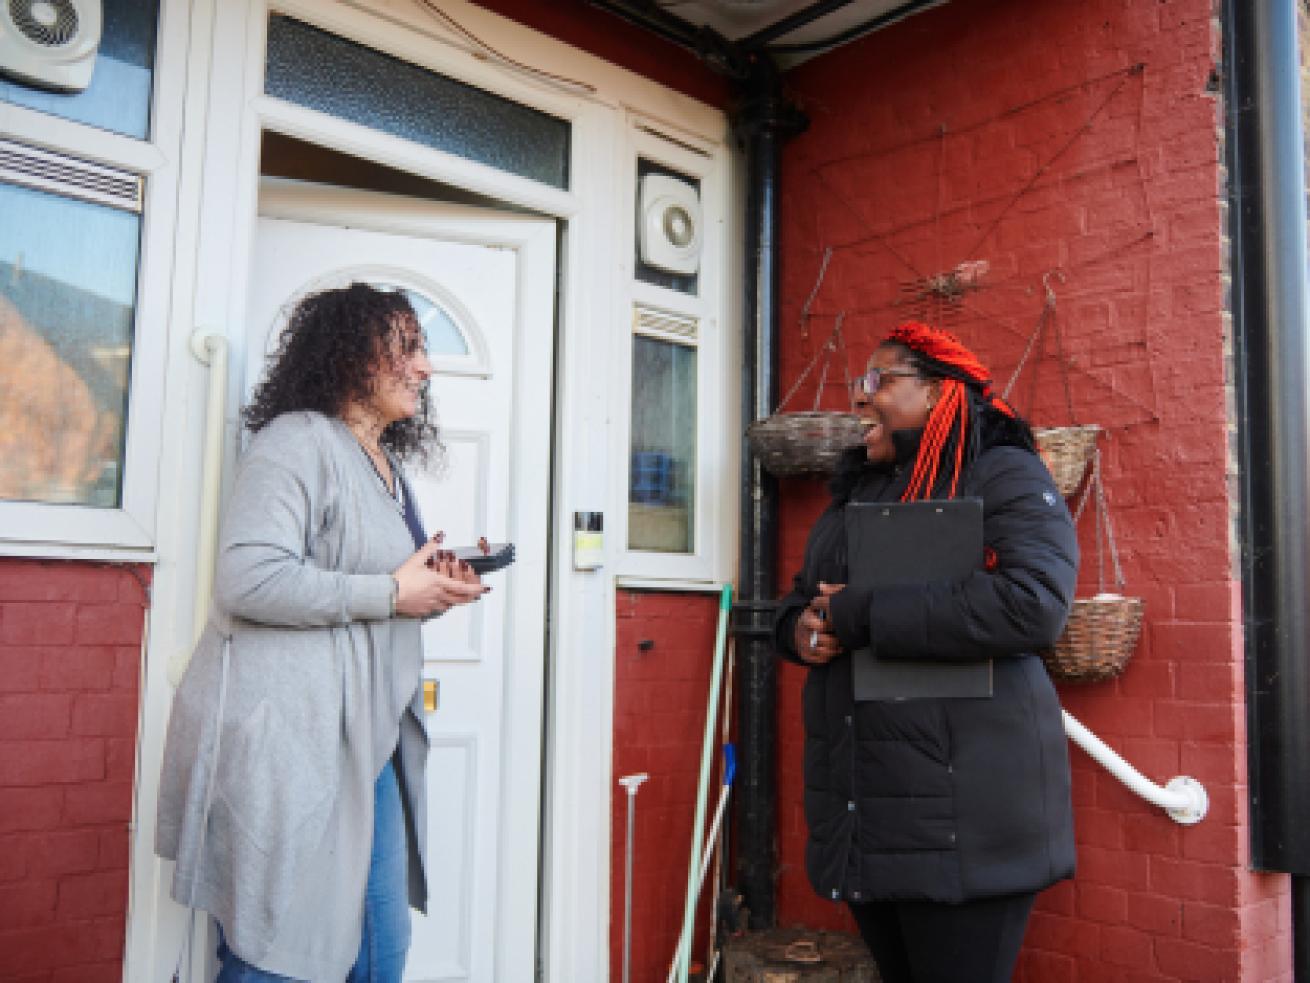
(942,799)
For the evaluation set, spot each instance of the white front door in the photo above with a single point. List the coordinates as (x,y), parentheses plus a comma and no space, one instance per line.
(483,285)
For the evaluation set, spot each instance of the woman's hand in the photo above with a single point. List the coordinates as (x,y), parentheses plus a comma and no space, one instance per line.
(432,581)
(815,642)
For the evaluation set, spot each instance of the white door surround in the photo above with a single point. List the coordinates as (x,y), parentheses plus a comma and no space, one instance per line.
(490,278)
(226,113)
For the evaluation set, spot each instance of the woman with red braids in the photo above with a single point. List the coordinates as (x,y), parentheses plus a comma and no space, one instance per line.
(937,821)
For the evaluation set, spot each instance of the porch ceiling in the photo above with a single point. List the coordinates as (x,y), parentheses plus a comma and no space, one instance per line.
(790,30)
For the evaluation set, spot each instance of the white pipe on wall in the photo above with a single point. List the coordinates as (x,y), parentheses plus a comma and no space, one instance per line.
(1183,798)
(210,348)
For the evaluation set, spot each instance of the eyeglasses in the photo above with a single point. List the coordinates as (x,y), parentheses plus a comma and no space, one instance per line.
(871,381)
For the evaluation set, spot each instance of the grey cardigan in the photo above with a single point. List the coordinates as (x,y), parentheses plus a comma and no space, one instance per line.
(299,691)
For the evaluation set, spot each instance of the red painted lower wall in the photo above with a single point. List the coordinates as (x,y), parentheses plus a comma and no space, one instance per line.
(1081,143)
(70,660)
(659,726)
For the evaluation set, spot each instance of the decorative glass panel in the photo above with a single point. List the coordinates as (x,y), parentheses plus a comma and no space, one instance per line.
(440,332)
(118,98)
(321,71)
(662,469)
(68,274)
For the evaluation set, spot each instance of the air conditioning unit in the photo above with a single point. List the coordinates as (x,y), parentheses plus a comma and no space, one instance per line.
(50,43)
(669,232)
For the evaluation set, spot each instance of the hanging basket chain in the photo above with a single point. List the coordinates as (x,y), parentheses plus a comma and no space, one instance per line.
(825,352)
(1104,527)
(814,292)
(1047,316)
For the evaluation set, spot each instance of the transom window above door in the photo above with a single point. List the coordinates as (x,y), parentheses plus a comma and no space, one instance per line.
(322,71)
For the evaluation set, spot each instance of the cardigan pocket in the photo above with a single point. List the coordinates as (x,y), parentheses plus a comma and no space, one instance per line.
(269,779)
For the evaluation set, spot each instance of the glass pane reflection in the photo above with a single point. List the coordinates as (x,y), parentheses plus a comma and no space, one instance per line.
(661,485)
(118,98)
(67,302)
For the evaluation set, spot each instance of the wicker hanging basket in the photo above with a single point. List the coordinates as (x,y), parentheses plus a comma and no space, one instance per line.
(1067,450)
(804,443)
(1102,632)
(808,442)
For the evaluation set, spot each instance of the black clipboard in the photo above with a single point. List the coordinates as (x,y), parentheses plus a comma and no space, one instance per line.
(914,543)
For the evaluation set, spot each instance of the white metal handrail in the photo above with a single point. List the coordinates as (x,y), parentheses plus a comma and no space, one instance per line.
(1182,797)
(210,347)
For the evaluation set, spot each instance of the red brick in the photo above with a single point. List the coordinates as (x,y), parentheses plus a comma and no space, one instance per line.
(1184,960)
(29,904)
(1155,914)
(110,971)
(91,895)
(77,669)
(1123,946)
(34,623)
(1193,881)
(53,854)
(104,715)
(51,762)
(1153,833)
(127,668)
(1190,721)
(24,809)
(35,580)
(34,715)
(114,849)
(1210,925)
(20,670)
(109,624)
(52,946)
(1097,903)
(13,862)
(102,802)
(120,759)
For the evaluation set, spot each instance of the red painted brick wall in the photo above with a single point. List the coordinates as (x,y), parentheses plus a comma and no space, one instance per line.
(1019,132)
(70,656)
(659,725)
(614,39)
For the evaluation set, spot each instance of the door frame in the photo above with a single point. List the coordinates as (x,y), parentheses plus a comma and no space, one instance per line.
(533,239)
(218,205)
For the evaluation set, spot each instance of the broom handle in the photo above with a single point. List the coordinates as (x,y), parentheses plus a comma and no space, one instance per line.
(703,783)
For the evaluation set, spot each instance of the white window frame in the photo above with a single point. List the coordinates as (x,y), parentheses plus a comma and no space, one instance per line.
(711,560)
(128,532)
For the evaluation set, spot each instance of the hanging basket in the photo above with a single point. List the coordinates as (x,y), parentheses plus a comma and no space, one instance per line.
(809,442)
(1099,639)
(1102,632)
(1067,451)
(804,443)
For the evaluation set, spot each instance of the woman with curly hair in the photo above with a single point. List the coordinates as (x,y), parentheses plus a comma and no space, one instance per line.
(937,820)
(292,793)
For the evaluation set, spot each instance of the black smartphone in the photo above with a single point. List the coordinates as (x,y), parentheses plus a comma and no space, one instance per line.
(499,556)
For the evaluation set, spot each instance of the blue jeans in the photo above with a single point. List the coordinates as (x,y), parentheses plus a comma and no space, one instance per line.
(385,940)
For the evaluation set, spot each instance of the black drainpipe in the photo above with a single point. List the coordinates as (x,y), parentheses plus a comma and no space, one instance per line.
(1272,348)
(763,121)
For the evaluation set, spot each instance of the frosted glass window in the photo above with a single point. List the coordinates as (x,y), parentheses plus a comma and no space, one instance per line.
(662,467)
(118,98)
(68,274)
(321,71)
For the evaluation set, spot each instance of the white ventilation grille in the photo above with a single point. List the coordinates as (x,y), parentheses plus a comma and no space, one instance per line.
(68,176)
(665,325)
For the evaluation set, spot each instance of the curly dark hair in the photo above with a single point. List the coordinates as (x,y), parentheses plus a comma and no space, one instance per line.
(327,356)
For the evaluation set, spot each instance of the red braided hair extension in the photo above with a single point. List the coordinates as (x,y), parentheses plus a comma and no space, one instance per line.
(950,416)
